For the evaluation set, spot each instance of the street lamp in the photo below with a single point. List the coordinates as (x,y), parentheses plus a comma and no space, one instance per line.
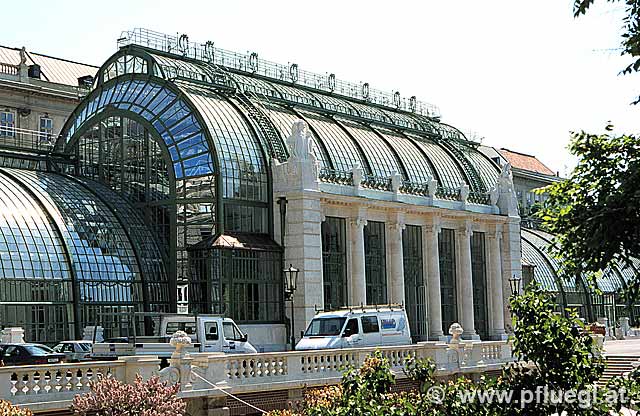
(514,284)
(291,284)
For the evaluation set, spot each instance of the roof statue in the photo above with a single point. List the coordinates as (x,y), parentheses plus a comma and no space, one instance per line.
(301,145)
(503,193)
(300,171)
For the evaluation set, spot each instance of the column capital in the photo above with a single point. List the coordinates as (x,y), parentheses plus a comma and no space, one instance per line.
(397,226)
(435,226)
(358,221)
(466,230)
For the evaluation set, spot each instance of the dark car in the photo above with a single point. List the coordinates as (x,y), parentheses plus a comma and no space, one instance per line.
(28,354)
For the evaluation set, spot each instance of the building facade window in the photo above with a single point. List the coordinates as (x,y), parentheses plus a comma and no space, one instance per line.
(414,284)
(449,301)
(375,263)
(479,277)
(7,124)
(334,262)
(46,130)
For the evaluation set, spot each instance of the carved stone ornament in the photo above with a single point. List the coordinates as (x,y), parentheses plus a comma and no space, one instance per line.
(357,174)
(463,193)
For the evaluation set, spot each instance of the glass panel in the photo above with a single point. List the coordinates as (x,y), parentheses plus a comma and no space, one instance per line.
(449,174)
(447,251)
(415,289)
(479,277)
(375,263)
(334,262)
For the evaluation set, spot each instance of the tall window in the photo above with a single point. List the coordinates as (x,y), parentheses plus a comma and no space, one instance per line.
(375,263)
(7,124)
(447,249)
(479,276)
(414,285)
(334,263)
(46,130)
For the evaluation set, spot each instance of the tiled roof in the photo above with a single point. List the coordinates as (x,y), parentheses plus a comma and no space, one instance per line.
(60,71)
(525,162)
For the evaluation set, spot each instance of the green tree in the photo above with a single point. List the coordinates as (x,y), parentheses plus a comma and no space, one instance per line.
(595,213)
(631,31)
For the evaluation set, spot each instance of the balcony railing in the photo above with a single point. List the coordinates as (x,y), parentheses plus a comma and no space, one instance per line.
(9,69)
(23,139)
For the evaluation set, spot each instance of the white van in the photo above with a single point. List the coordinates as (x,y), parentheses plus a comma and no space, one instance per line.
(356,328)
(209,333)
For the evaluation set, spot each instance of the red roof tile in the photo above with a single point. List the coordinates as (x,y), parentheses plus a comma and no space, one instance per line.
(525,162)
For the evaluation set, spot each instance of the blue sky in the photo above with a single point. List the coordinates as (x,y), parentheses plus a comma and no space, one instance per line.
(521,74)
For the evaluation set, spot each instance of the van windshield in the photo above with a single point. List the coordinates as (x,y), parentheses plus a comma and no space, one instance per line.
(322,327)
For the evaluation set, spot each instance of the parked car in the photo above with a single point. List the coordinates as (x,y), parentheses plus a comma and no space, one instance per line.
(28,354)
(356,328)
(74,351)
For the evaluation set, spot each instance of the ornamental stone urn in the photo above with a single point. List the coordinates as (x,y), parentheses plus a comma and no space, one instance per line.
(455,330)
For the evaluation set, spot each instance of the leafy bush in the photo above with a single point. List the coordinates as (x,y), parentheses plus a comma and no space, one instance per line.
(7,409)
(110,397)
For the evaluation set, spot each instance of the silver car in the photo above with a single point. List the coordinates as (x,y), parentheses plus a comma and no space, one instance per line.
(74,351)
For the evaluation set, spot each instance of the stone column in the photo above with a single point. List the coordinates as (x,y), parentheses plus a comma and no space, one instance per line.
(431,253)
(358,277)
(465,282)
(396,292)
(495,278)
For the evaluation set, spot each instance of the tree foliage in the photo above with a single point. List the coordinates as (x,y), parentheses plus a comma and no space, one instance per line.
(631,31)
(595,213)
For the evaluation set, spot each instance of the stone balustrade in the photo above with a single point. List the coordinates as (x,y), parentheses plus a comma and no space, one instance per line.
(52,387)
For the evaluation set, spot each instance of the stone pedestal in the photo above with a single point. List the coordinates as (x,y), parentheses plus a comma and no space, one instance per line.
(297,181)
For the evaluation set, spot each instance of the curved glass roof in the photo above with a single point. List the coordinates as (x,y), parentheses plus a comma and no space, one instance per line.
(30,245)
(342,150)
(535,250)
(347,131)
(544,273)
(239,150)
(73,234)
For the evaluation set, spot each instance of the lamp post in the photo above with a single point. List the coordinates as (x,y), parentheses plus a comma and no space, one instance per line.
(514,284)
(291,283)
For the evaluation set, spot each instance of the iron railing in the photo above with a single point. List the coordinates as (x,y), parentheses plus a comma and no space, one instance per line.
(251,63)
(336,176)
(383,183)
(15,138)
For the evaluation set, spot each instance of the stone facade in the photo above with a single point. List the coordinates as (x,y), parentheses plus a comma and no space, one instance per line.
(310,202)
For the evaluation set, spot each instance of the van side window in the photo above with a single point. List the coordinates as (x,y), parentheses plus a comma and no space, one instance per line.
(352,326)
(211,331)
(370,324)
(231,332)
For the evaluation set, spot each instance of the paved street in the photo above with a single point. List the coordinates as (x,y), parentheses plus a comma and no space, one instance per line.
(624,347)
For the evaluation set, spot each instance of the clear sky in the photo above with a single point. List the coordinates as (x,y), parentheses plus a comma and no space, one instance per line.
(521,74)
